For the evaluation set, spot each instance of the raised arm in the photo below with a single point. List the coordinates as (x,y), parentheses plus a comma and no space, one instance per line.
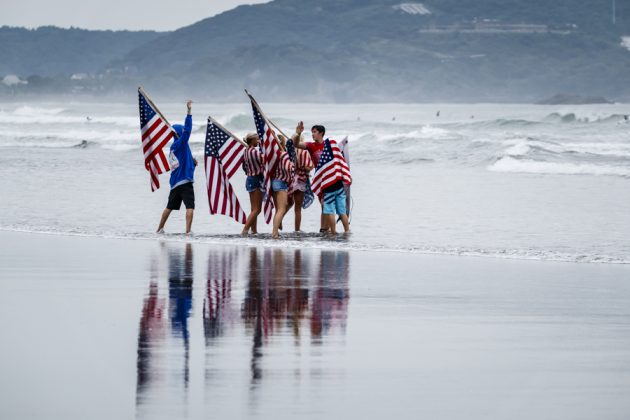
(186,131)
(298,141)
(188,122)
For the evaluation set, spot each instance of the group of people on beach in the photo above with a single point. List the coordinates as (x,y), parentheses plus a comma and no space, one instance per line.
(290,180)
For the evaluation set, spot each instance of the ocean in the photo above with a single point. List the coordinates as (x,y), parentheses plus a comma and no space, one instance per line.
(541,182)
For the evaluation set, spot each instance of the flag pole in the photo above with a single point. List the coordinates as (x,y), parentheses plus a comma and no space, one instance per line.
(267,119)
(146,96)
(215,122)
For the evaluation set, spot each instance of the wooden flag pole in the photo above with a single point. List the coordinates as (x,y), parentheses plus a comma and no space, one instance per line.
(215,122)
(142,91)
(268,120)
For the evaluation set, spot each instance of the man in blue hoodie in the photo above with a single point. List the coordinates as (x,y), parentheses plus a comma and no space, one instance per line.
(182,173)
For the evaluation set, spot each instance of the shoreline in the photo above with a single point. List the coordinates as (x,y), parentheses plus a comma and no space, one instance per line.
(291,242)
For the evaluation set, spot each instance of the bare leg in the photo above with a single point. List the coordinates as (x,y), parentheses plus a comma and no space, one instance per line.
(281,209)
(330,222)
(165,214)
(323,224)
(189,219)
(298,196)
(345,222)
(255,199)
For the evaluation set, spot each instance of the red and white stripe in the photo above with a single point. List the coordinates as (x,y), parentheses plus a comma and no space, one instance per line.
(285,169)
(304,160)
(231,154)
(271,154)
(253,162)
(335,170)
(221,196)
(155,134)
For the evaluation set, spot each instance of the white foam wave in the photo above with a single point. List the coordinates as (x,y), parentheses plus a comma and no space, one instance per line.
(425,132)
(30,110)
(603,149)
(509,164)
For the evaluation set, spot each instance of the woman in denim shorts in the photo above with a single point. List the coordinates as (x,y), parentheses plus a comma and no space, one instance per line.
(281,180)
(303,166)
(253,167)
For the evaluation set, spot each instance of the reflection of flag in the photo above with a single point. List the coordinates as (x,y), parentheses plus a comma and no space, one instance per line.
(217,309)
(271,153)
(223,157)
(155,134)
(331,168)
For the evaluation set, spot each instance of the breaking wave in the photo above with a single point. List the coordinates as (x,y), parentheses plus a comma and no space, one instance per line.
(510,164)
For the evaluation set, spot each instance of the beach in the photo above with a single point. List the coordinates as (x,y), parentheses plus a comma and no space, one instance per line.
(165,328)
(487,274)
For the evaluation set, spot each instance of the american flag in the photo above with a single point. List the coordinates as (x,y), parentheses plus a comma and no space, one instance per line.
(331,168)
(301,159)
(285,170)
(253,161)
(155,134)
(271,153)
(223,157)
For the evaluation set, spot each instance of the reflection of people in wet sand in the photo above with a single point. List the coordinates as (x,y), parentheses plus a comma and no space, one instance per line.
(216,308)
(153,340)
(330,298)
(180,281)
(151,332)
(277,297)
(298,295)
(252,311)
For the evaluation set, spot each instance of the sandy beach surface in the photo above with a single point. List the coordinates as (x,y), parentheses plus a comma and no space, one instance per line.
(97,328)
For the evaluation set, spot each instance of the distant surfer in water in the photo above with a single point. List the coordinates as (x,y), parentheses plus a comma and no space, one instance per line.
(182,165)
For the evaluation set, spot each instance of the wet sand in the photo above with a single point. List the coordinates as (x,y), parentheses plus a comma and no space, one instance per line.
(98,328)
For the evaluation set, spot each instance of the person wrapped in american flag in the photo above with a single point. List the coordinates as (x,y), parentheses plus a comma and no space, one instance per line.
(301,183)
(331,174)
(315,150)
(254,183)
(281,184)
(182,174)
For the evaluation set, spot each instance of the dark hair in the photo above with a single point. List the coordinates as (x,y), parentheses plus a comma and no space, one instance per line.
(319,128)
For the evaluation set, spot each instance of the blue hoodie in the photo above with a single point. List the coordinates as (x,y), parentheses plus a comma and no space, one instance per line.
(185,172)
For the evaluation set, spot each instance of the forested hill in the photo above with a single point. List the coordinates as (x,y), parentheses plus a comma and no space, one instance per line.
(368,50)
(49,51)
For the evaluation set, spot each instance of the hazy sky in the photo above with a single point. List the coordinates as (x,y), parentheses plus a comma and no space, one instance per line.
(113,14)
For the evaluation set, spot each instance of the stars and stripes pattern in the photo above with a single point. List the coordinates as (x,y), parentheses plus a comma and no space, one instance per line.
(155,134)
(331,168)
(285,169)
(271,155)
(223,156)
(253,161)
(302,159)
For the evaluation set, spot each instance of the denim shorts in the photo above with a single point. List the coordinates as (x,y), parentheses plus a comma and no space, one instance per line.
(335,202)
(299,185)
(279,185)
(254,183)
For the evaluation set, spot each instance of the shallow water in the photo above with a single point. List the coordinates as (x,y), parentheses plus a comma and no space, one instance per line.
(98,328)
(504,181)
